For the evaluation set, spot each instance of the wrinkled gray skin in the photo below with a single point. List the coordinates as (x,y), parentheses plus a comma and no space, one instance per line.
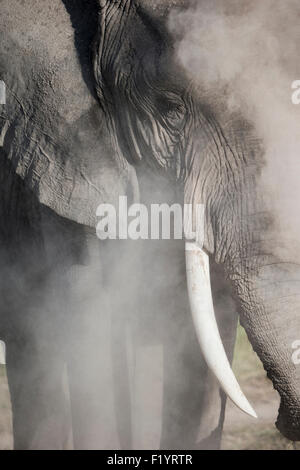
(89,99)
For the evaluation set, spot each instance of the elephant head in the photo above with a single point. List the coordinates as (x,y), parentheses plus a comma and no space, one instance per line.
(74,154)
(162,121)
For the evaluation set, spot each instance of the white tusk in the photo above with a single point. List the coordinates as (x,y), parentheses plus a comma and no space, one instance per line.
(200,295)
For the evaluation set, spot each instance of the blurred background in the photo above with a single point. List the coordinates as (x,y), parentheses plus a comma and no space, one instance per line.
(241,432)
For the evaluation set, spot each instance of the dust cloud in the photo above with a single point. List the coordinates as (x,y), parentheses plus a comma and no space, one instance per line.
(248,52)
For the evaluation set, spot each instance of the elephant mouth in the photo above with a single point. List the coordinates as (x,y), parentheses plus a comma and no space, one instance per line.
(201,303)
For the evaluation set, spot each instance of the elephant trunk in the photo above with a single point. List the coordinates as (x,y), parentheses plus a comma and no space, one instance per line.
(200,295)
(268,292)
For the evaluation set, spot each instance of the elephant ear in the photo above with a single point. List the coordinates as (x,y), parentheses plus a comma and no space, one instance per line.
(52,128)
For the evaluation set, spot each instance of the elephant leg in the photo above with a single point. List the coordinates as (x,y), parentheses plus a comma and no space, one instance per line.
(88,416)
(89,360)
(91,385)
(194,405)
(184,380)
(116,258)
(121,388)
(39,400)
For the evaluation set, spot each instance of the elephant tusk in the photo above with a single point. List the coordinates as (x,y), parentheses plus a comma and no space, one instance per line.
(201,302)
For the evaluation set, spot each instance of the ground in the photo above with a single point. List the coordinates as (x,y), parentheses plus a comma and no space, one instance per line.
(241,431)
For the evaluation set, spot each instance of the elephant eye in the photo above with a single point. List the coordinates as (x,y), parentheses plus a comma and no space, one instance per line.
(172,110)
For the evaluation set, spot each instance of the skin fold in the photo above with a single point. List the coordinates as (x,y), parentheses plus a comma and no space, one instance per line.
(98,107)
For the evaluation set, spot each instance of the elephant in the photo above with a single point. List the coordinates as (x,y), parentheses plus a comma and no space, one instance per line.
(97,107)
